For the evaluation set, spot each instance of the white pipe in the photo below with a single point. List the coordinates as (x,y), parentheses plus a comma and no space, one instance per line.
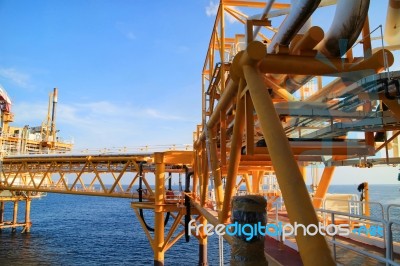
(298,16)
(263,16)
(346,27)
(392,27)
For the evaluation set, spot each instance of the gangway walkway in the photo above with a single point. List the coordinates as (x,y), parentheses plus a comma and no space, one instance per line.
(97,175)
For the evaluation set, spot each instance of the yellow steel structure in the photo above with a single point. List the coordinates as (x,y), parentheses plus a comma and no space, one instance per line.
(97,175)
(253,121)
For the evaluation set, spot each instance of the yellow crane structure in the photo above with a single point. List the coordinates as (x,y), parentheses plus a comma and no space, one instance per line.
(266,109)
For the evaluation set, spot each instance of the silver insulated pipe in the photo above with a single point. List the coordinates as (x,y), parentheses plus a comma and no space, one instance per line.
(300,12)
(346,27)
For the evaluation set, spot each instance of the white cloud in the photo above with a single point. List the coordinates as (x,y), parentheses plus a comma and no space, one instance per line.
(182,49)
(156,114)
(212,9)
(15,76)
(104,124)
(125,30)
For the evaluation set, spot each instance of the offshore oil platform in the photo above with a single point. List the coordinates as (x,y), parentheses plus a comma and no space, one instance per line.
(279,95)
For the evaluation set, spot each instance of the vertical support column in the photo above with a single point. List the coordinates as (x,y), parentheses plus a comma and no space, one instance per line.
(255,181)
(367,211)
(1,212)
(158,210)
(395,145)
(203,260)
(313,249)
(235,153)
(195,173)
(15,216)
(28,223)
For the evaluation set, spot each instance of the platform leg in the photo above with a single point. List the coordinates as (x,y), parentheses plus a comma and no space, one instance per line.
(159,214)
(203,260)
(1,213)
(15,216)
(28,216)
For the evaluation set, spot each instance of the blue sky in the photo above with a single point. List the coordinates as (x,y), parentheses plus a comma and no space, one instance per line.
(128,72)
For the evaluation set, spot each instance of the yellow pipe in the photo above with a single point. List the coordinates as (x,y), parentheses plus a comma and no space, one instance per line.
(305,65)
(310,39)
(158,213)
(313,249)
(235,153)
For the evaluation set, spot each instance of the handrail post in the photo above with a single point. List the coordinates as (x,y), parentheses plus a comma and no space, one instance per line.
(333,236)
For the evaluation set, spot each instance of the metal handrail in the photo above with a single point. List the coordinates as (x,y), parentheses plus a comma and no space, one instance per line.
(389,207)
(388,239)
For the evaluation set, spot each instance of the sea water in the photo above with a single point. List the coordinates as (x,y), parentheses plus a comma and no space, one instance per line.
(85,230)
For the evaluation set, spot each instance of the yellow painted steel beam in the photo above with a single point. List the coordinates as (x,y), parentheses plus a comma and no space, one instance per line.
(248,184)
(223,139)
(116,182)
(323,186)
(168,243)
(313,249)
(322,148)
(249,168)
(255,181)
(234,157)
(249,125)
(215,167)
(144,227)
(305,65)
(178,157)
(210,218)
(280,91)
(196,172)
